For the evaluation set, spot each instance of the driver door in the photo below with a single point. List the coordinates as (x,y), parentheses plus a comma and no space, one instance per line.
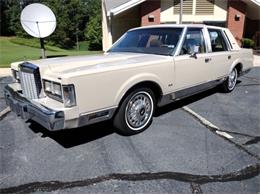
(192,64)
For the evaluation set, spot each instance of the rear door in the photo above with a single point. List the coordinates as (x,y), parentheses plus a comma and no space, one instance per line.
(220,54)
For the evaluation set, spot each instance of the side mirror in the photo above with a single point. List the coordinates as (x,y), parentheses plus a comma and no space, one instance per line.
(195,52)
(194,55)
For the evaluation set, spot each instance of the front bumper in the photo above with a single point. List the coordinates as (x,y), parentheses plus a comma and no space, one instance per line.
(50,119)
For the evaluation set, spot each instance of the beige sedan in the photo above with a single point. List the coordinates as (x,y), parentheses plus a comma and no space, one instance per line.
(146,68)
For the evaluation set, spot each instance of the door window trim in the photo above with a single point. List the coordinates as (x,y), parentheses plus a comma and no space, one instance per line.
(227,40)
(204,33)
(224,38)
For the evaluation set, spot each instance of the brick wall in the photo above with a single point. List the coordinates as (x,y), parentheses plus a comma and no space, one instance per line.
(235,24)
(150,12)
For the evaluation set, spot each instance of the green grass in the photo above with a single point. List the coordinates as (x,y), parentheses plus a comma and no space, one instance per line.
(12,50)
(33,42)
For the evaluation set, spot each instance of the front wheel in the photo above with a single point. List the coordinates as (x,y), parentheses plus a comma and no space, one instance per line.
(229,84)
(136,112)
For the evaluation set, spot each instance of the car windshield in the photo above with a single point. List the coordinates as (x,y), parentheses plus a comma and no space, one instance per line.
(161,41)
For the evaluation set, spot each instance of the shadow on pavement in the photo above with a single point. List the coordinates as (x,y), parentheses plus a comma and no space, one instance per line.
(55,56)
(73,137)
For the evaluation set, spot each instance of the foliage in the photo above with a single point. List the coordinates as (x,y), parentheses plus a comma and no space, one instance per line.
(72,18)
(248,43)
(10,18)
(93,33)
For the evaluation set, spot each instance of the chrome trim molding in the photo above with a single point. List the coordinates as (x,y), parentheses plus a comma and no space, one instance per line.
(177,95)
(30,80)
(50,119)
(96,117)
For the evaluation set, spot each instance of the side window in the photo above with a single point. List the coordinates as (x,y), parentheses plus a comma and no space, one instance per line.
(194,42)
(217,40)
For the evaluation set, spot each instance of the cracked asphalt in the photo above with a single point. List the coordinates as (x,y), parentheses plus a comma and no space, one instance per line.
(207,143)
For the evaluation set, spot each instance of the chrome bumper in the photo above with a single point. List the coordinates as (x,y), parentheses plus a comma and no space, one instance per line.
(50,119)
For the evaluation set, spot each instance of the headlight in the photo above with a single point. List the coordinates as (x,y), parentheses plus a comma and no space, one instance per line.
(53,89)
(69,95)
(47,86)
(62,93)
(57,89)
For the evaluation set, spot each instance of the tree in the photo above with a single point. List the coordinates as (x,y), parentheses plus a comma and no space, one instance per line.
(94,33)
(93,30)
(71,19)
(71,15)
(10,17)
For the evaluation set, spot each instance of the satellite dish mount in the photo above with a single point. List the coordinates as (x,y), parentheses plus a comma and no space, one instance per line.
(38,21)
(42,47)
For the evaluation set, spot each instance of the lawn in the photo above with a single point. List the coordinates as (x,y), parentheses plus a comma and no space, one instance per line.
(12,50)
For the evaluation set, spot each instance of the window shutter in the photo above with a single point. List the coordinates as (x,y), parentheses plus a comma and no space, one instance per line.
(205,7)
(187,6)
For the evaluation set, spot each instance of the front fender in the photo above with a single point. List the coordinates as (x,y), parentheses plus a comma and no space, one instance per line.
(131,82)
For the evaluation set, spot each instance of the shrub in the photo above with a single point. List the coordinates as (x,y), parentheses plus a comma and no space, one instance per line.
(93,33)
(248,43)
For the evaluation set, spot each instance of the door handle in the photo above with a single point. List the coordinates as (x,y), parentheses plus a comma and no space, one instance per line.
(207,60)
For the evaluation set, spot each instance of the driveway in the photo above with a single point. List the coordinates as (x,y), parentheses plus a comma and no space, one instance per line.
(208,143)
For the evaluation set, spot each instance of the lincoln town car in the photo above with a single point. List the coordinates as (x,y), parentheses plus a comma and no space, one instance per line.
(148,67)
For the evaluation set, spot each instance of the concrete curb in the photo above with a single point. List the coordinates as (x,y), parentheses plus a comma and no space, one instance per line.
(256,61)
(4,72)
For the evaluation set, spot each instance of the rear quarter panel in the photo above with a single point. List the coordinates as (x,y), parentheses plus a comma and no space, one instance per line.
(244,57)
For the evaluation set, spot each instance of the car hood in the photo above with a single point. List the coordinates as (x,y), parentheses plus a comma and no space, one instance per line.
(66,65)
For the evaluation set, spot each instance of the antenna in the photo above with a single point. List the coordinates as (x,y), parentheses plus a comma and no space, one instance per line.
(39,21)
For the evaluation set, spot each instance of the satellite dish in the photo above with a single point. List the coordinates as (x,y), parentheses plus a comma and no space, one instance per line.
(38,21)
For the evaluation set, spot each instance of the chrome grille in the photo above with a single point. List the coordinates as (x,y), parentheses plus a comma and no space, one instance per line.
(30,80)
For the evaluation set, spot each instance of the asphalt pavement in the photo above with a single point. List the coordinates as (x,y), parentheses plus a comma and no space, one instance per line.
(207,143)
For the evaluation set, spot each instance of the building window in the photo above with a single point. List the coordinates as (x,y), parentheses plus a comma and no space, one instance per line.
(187,6)
(204,7)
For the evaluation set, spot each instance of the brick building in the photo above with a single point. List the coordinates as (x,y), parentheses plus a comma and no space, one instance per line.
(242,17)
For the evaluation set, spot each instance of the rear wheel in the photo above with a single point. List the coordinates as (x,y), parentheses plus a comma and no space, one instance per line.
(136,112)
(229,84)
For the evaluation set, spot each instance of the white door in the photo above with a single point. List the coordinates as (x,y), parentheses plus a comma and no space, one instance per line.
(220,55)
(192,64)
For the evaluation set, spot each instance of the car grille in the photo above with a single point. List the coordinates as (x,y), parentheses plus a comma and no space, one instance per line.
(30,80)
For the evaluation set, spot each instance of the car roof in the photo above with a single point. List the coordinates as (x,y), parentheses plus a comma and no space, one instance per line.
(177,26)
